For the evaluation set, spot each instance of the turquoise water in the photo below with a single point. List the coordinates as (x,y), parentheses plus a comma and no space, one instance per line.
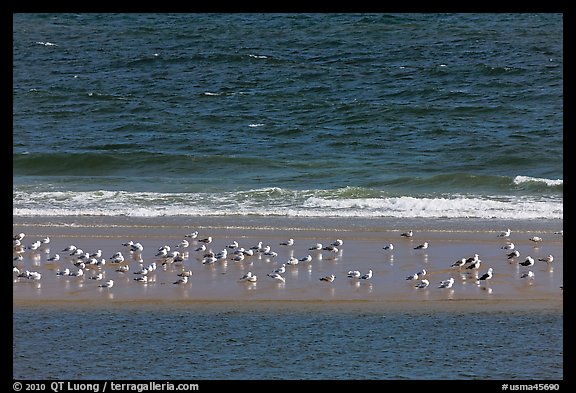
(296,115)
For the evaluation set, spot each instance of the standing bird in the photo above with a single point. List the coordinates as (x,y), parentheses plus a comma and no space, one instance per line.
(505,233)
(289,242)
(107,284)
(329,278)
(547,259)
(367,276)
(528,262)
(388,247)
(513,254)
(422,246)
(446,283)
(486,276)
(529,275)
(410,233)
(422,284)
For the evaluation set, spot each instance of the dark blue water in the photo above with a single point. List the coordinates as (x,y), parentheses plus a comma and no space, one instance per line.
(371,115)
(276,342)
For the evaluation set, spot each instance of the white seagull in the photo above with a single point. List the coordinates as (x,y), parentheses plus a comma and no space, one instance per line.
(529,261)
(529,275)
(486,276)
(410,233)
(354,274)
(417,275)
(280,270)
(248,277)
(182,280)
(505,233)
(509,246)
(388,247)
(459,263)
(107,284)
(513,254)
(289,242)
(535,239)
(446,283)
(317,246)
(367,276)
(329,278)
(422,284)
(422,246)
(547,259)
(276,277)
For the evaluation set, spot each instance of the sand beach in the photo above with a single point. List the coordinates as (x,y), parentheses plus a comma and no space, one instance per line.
(219,282)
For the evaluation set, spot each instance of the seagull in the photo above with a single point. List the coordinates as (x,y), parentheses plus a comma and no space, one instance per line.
(388,247)
(422,284)
(123,269)
(276,277)
(528,262)
(416,276)
(446,283)
(509,246)
(34,246)
(19,236)
(70,248)
(292,261)
(97,277)
(207,240)
(407,234)
(247,277)
(289,242)
(65,272)
(329,278)
(183,244)
(354,274)
(513,254)
(233,245)
(459,263)
(338,243)
(257,247)
(185,274)
(307,258)
(505,233)
(192,235)
(422,246)
(535,239)
(182,280)
(486,276)
(317,246)
(280,270)
(107,284)
(529,274)
(143,279)
(367,276)
(475,264)
(78,273)
(548,259)
(46,240)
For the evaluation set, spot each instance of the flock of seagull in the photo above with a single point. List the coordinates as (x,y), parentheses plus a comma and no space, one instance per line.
(91,264)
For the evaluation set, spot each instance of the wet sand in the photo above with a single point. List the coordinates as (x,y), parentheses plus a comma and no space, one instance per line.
(218,283)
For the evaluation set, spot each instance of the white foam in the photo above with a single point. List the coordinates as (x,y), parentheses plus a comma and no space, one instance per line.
(548,182)
(279,202)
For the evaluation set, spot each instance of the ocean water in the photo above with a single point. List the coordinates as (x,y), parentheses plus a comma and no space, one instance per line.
(295,115)
(276,342)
